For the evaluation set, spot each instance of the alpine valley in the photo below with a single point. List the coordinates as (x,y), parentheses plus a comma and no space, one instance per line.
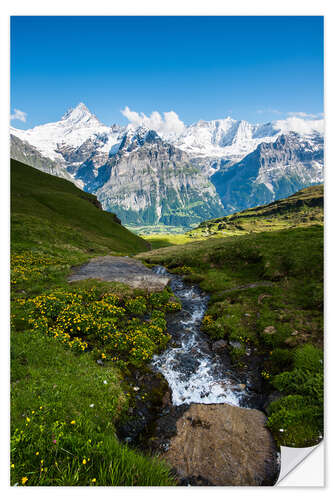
(159,181)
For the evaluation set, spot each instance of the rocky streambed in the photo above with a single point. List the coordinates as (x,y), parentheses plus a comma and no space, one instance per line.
(201,415)
(197,370)
(212,431)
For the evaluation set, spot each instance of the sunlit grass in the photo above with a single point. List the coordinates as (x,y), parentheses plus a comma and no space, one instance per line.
(266,293)
(65,406)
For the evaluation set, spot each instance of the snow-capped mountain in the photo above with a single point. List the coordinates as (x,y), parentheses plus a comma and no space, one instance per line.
(149,181)
(233,139)
(75,127)
(272,171)
(150,178)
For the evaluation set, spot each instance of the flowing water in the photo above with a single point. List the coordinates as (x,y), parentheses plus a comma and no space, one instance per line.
(195,374)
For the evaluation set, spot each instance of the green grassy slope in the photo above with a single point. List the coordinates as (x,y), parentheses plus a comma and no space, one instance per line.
(266,292)
(52,211)
(63,413)
(301,209)
(65,406)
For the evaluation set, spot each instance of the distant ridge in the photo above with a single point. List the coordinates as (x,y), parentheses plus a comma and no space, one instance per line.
(177,177)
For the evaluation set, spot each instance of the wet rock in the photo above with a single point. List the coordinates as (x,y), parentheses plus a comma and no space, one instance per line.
(188,362)
(225,384)
(274,396)
(222,445)
(138,423)
(121,269)
(195,351)
(219,345)
(235,344)
(166,427)
(166,400)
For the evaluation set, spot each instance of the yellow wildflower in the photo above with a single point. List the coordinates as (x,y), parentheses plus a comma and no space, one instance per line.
(84,461)
(24,480)
(73,422)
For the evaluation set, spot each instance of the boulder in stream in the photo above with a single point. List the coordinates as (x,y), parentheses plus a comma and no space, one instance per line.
(222,445)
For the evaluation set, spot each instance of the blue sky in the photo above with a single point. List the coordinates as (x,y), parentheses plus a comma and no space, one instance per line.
(252,68)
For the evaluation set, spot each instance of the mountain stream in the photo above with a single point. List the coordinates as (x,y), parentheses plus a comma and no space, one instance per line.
(194,372)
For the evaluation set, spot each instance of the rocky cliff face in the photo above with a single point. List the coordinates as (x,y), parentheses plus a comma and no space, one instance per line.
(207,170)
(22,151)
(149,181)
(273,171)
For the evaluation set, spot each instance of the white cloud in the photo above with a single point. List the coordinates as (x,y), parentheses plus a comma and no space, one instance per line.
(301,114)
(300,125)
(19,115)
(167,125)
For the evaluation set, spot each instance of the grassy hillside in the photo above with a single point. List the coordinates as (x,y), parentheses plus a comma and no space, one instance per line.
(65,406)
(55,225)
(301,209)
(53,211)
(266,293)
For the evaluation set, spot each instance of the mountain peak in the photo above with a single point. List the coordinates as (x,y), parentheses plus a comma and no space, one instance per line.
(79,114)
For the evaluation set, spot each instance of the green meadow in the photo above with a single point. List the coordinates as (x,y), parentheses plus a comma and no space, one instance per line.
(65,406)
(266,293)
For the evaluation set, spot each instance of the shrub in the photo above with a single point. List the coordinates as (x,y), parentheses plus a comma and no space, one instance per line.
(281,359)
(214,328)
(300,412)
(158,300)
(296,420)
(309,358)
(136,306)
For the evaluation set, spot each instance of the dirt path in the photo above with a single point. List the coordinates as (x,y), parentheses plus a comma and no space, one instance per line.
(121,269)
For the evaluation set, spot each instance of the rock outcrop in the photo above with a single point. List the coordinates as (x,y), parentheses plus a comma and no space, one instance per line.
(26,153)
(272,171)
(149,181)
(222,445)
(121,269)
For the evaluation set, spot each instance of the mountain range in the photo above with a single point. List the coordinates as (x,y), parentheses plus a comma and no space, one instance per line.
(209,169)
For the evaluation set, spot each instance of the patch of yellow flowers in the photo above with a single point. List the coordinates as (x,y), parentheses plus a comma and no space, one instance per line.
(110,325)
(31,265)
